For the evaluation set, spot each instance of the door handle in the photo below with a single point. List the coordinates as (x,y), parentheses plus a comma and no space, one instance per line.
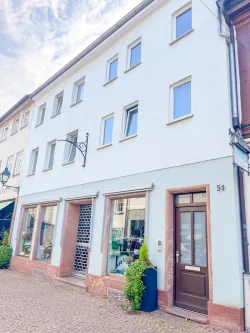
(177,256)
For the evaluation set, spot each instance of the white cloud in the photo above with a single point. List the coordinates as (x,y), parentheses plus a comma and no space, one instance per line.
(38,37)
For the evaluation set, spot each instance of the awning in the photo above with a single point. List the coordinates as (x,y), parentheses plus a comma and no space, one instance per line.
(5,204)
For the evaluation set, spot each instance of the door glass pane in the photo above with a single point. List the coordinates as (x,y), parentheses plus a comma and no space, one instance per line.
(199,197)
(200,243)
(185,238)
(27,232)
(183,198)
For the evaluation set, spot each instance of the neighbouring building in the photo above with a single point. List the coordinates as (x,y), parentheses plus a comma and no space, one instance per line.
(238,12)
(149,101)
(14,131)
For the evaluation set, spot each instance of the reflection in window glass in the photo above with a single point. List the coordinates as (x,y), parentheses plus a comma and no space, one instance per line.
(184,23)
(27,234)
(45,242)
(182,100)
(199,197)
(135,57)
(131,121)
(200,242)
(185,238)
(183,198)
(126,234)
(113,69)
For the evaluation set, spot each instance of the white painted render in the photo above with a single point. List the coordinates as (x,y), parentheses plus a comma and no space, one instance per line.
(14,144)
(199,138)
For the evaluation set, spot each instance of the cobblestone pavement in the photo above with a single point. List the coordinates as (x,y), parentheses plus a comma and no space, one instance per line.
(28,305)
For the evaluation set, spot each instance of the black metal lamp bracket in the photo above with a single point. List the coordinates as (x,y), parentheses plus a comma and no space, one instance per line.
(81,146)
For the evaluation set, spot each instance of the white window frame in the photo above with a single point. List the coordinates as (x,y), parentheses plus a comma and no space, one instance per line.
(25,119)
(130,47)
(14,128)
(5,133)
(11,164)
(75,90)
(126,111)
(40,114)
(109,62)
(102,132)
(180,11)
(18,163)
(172,87)
(48,155)
(33,166)
(57,108)
(68,146)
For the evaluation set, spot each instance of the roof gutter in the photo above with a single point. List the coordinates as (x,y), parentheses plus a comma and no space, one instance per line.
(95,44)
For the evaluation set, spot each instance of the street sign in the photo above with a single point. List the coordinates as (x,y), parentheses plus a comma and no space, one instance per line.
(241,158)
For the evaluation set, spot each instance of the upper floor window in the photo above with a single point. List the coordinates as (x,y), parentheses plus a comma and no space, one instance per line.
(107,130)
(50,154)
(78,91)
(4,133)
(15,127)
(134,54)
(58,104)
(130,123)
(18,163)
(182,21)
(112,69)
(10,163)
(40,114)
(181,99)
(33,161)
(26,115)
(70,149)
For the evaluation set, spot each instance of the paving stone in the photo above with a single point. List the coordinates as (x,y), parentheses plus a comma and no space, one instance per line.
(30,305)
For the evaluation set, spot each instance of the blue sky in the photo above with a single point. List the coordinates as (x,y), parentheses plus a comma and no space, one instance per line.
(38,37)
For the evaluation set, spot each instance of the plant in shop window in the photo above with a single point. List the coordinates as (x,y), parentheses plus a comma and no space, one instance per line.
(5,252)
(141,283)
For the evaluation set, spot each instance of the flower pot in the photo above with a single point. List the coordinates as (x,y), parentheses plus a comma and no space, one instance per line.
(149,298)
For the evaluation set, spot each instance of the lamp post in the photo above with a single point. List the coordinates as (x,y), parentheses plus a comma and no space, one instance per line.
(4,177)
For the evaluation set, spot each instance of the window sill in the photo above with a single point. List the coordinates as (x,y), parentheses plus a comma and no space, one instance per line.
(181,37)
(67,163)
(16,174)
(30,174)
(105,84)
(23,126)
(14,132)
(76,103)
(179,119)
(111,276)
(104,146)
(38,125)
(47,169)
(128,137)
(54,115)
(130,69)
(3,140)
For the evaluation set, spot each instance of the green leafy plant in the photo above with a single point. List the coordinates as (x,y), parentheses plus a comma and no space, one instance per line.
(134,286)
(5,239)
(5,255)
(144,256)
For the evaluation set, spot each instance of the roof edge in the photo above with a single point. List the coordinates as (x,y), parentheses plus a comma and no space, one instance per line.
(93,45)
(14,107)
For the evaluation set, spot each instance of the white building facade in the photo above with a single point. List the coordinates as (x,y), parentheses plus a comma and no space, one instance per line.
(158,165)
(14,132)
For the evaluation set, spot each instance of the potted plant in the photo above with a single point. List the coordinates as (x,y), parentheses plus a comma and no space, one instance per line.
(141,283)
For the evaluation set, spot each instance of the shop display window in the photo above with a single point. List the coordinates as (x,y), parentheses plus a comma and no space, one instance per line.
(45,240)
(126,233)
(27,233)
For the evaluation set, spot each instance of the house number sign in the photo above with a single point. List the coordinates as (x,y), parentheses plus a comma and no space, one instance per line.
(220,188)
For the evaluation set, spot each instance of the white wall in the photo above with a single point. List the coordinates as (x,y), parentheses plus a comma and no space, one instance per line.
(14,144)
(202,137)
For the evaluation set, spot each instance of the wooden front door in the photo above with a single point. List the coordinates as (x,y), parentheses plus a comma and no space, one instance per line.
(191,271)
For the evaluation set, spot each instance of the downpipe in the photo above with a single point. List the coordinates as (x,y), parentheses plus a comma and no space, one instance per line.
(230,39)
